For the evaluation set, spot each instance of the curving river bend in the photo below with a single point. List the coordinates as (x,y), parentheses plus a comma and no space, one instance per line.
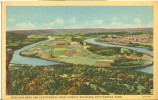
(142,50)
(18,59)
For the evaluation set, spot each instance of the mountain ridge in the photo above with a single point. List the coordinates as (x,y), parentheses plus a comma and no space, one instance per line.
(81,30)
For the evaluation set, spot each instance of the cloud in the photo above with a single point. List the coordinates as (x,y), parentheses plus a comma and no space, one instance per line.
(25,25)
(58,22)
(114,18)
(95,23)
(11,20)
(150,24)
(73,20)
(74,23)
(115,24)
(48,24)
(137,21)
(98,22)
(123,25)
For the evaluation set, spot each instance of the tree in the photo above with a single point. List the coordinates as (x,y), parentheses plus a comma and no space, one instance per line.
(117,51)
(8,59)
(125,52)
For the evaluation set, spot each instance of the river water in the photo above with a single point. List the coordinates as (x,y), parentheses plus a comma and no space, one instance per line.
(18,59)
(142,50)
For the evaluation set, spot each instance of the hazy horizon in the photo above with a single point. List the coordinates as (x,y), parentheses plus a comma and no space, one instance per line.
(78,28)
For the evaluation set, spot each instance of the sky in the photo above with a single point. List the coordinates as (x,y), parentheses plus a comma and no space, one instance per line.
(68,17)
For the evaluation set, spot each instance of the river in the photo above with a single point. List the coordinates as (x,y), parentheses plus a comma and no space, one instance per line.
(142,50)
(18,59)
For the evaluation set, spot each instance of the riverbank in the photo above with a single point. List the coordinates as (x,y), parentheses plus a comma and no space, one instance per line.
(63,55)
(124,67)
(18,41)
(145,51)
(130,45)
(18,59)
(142,50)
(75,54)
(140,41)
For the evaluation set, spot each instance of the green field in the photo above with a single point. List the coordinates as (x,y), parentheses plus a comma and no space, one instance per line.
(90,55)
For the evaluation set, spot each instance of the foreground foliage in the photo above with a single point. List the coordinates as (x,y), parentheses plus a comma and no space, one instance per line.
(77,80)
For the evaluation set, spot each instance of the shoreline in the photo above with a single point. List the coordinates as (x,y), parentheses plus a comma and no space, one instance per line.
(123,44)
(133,68)
(113,67)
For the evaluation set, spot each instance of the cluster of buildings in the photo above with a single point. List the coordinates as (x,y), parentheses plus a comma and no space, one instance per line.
(131,38)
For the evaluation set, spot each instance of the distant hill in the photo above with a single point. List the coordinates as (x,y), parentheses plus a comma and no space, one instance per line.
(84,30)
